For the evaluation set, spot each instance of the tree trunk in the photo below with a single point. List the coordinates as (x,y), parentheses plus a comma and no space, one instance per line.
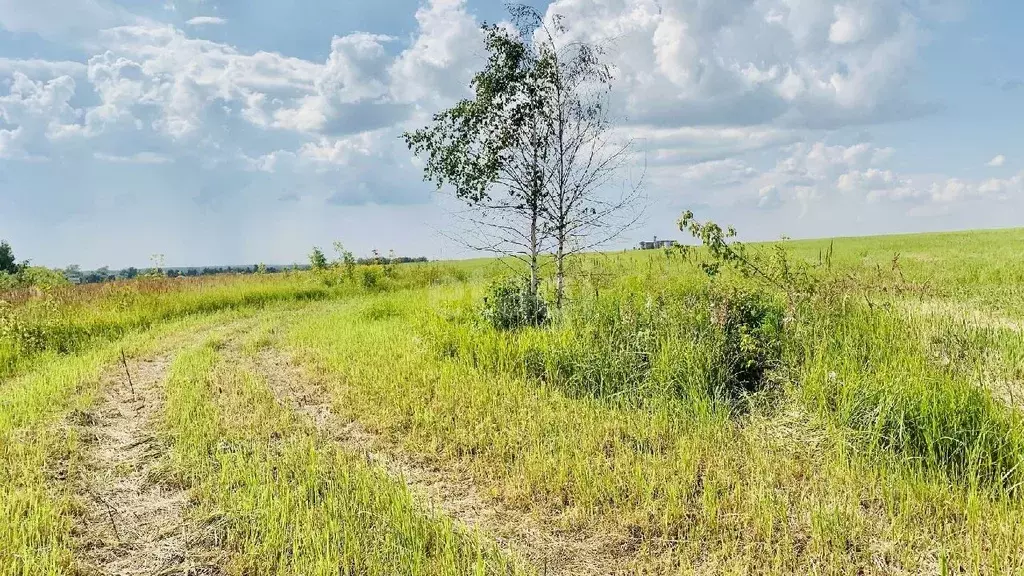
(560,274)
(534,249)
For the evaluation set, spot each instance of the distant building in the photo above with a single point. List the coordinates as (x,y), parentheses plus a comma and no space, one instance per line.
(655,244)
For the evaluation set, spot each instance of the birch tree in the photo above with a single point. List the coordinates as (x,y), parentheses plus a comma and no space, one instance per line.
(591,196)
(493,150)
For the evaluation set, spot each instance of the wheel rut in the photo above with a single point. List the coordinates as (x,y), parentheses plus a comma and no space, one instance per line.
(453,493)
(132,519)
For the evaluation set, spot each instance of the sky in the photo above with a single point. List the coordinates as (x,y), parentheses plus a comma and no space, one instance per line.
(244,131)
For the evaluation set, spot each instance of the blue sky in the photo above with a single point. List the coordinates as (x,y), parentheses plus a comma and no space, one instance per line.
(232,131)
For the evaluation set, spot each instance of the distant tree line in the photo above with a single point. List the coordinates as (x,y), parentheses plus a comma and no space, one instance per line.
(76,275)
(15,274)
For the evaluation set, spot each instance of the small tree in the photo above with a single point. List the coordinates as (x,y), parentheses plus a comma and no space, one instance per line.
(579,207)
(345,259)
(389,264)
(158,265)
(317,260)
(530,152)
(8,263)
(493,149)
(774,267)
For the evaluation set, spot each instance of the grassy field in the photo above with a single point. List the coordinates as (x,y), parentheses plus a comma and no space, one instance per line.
(862,416)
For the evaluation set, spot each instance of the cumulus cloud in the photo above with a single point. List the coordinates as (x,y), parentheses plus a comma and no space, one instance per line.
(35,113)
(819,172)
(437,67)
(997,161)
(795,63)
(735,103)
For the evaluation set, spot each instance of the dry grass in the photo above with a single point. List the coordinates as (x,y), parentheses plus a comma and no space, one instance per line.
(132,520)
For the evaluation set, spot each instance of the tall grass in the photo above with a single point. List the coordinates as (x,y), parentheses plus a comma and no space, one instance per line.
(777,487)
(862,360)
(70,319)
(635,410)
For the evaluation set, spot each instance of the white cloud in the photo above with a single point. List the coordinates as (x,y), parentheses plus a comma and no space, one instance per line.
(34,67)
(734,103)
(62,20)
(997,161)
(768,197)
(437,67)
(351,82)
(821,173)
(850,25)
(206,21)
(716,173)
(35,111)
(744,62)
(688,144)
(137,158)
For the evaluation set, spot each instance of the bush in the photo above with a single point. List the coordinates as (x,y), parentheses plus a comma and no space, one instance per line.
(510,305)
(751,326)
(370,276)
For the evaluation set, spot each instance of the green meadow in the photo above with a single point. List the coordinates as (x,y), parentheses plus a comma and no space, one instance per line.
(855,409)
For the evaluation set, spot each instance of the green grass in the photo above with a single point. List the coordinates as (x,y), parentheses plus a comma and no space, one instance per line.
(65,320)
(707,426)
(40,449)
(789,486)
(291,502)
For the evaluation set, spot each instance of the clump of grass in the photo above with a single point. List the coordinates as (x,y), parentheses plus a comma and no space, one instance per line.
(695,341)
(510,305)
(873,373)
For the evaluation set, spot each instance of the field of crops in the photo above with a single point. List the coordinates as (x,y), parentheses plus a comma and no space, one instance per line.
(860,413)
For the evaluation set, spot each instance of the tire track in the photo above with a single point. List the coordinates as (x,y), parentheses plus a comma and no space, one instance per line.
(133,520)
(452,492)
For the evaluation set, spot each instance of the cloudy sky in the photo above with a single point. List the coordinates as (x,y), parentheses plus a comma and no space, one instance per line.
(238,131)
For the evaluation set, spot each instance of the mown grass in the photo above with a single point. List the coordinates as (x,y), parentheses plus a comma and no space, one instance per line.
(40,447)
(290,502)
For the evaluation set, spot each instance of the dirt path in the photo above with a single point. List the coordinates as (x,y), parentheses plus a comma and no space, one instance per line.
(449,491)
(132,522)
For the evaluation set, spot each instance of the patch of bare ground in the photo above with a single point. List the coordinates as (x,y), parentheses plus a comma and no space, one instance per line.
(532,537)
(132,520)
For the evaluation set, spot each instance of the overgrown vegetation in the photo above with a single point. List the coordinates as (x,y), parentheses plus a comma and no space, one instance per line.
(66,319)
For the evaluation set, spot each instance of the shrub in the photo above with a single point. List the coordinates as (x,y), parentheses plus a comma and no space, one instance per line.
(751,326)
(370,276)
(317,259)
(510,305)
